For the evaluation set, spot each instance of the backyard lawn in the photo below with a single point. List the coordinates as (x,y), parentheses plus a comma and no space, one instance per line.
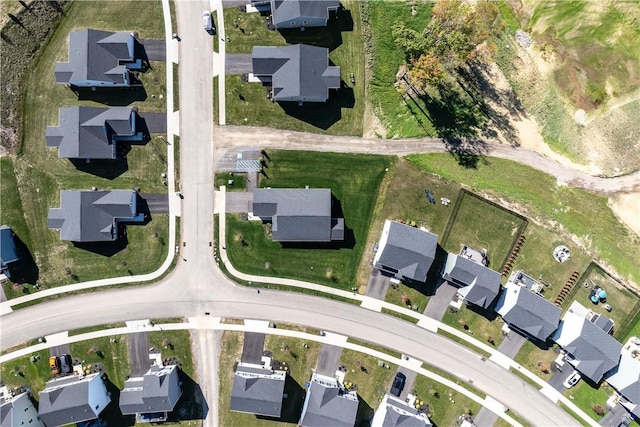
(40,174)
(567,211)
(354,181)
(342,114)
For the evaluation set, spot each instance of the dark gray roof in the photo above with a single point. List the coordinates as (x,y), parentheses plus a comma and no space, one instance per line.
(253,347)
(484,282)
(395,418)
(255,392)
(298,72)
(96,55)
(325,406)
(528,311)
(595,352)
(408,250)
(67,400)
(157,391)
(298,215)
(8,251)
(91,216)
(89,132)
(286,10)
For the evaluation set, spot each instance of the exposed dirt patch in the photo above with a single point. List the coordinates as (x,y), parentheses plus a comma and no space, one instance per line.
(627,207)
(372,126)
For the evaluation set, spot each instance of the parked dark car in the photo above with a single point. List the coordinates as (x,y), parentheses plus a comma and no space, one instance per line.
(398,384)
(66,365)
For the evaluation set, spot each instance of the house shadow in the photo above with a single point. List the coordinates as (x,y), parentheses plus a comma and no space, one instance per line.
(105,168)
(488,313)
(322,115)
(115,97)
(112,415)
(348,242)
(192,404)
(329,36)
(141,126)
(25,270)
(141,53)
(291,405)
(364,414)
(106,249)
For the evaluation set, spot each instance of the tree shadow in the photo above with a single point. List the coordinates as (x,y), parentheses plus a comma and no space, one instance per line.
(192,404)
(322,115)
(112,415)
(25,270)
(292,404)
(329,36)
(111,96)
(468,152)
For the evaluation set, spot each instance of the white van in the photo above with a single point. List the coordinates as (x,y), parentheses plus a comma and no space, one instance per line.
(207,21)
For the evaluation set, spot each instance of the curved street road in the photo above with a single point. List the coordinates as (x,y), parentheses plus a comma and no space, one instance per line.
(197,287)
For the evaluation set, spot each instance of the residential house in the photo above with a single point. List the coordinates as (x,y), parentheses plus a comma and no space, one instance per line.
(394,412)
(8,251)
(93,133)
(527,312)
(298,214)
(73,399)
(153,396)
(94,216)
(625,378)
(297,73)
(99,59)
(302,13)
(405,252)
(18,411)
(258,387)
(328,403)
(478,284)
(584,335)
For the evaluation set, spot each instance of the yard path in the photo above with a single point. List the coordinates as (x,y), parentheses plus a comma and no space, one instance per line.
(231,137)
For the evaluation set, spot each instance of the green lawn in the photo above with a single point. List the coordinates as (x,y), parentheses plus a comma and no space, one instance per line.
(445,405)
(11,202)
(414,296)
(40,175)
(477,325)
(530,356)
(251,30)
(481,225)
(585,397)
(113,356)
(400,118)
(34,374)
(354,181)
(342,114)
(239,181)
(178,345)
(564,210)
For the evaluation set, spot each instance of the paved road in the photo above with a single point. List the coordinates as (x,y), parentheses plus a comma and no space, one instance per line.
(231,137)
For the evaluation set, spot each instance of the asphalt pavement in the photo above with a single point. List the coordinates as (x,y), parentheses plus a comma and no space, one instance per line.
(139,354)
(238,63)
(511,344)
(439,302)
(328,360)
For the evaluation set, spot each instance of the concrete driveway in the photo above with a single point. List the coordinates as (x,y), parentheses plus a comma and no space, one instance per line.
(511,344)
(238,63)
(157,203)
(155,122)
(155,49)
(378,284)
(238,201)
(408,384)
(559,376)
(328,360)
(438,303)
(139,353)
(59,350)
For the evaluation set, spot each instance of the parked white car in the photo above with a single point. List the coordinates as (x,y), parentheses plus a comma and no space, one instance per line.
(572,380)
(207,22)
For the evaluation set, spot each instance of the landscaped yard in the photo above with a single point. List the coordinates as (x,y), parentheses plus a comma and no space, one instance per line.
(533,358)
(476,325)
(247,30)
(480,225)
(354,181)
(223,178)
(22,371)
(537,196)
(586,397)
(408,297)
(114,356)
(40,174)
(342,114)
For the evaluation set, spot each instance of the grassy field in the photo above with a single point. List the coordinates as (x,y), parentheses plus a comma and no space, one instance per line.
(34,374)
(399,117)
(531,355)
(445,405)
(180,348)
(572,214)
(239,181)
(113,356)
(417,296)
(481,225)
(342,114)
(476,325)
(40,175)
(251,30)
(354,181)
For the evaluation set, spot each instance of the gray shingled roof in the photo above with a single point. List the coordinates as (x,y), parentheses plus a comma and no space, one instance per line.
(325,406)
(527,311)
(408,250)
(298,72)
(286,10)
(595,352)
(91,216)
(297,215)
(66,400)
(96,55)
(395,418)
(255,392)
(157,391)
(89,132)
(484,282)
(8,251)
